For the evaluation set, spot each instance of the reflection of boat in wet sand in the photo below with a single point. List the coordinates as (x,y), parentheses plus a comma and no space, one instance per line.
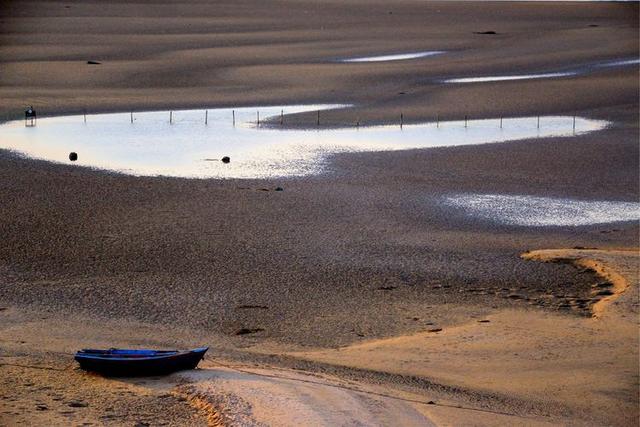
(123,362)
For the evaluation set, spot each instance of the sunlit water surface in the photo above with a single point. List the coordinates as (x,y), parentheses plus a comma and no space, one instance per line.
(188,147)
(394,57)
(567,73)
(543,211)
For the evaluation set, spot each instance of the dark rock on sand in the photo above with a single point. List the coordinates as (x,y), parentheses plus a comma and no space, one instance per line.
(279,189)
(434,330)
(247,331)
(249,306)
(93,63)
(77,404)
(225,159)
(485,32)
(73,156)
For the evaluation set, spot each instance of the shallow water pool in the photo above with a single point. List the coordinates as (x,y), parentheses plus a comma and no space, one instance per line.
(394,57)
(187,147)
(558,74)
(543,211)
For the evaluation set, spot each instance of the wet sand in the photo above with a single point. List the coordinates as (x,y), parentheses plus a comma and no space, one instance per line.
(361,253)
(195,54)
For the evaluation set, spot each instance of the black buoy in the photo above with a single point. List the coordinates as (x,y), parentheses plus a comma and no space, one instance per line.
(73,156)
(226,159)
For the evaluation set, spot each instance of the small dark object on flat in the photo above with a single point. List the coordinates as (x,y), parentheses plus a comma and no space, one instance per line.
(249,306)
(128,363)
(387,288)
(603,285)
(73,156)
(93,63)
(434,330)
(77,404)
(605,292)
(484,321)
(246,331)
(279,189)
(226,159)
(485,32)
(263,189)
(594,25)
(431,402)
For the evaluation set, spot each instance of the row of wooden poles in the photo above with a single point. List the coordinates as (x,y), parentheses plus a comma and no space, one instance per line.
(233,115)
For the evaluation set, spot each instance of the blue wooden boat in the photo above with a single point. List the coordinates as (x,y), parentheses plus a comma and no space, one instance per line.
(129,363)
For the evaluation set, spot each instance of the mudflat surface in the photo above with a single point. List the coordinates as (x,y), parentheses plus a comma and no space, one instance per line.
(309,264)
(365,251)
(196,54)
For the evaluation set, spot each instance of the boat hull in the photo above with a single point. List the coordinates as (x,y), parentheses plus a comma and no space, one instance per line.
(138,363)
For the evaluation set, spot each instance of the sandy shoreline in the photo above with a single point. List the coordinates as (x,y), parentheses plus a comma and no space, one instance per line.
(561,373)
(339,271)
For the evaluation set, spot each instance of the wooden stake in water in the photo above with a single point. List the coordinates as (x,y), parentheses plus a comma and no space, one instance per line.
(206,117)
(538,126)
(258,117)
(318,119)
(465,121)
(401,120)
(500,122)
(170,116)
(85,116)
(281,117)
(358,124)
(574,123)
(233,114)
(132,117)
(437,120)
